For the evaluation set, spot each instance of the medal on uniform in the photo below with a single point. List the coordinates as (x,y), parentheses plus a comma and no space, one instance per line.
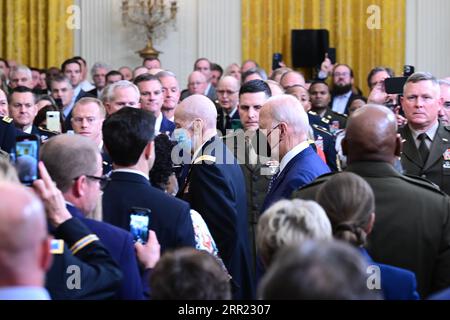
(446,154)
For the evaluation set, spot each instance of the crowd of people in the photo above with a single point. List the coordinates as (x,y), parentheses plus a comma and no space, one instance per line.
(255,186)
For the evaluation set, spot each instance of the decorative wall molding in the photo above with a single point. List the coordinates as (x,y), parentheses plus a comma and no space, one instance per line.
(204,28)
(427,36)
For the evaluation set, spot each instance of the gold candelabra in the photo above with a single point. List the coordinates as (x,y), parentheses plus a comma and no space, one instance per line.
(154,16)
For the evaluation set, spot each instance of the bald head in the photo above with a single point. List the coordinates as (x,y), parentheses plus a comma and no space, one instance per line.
(372,135)
(23,231)
(197,107)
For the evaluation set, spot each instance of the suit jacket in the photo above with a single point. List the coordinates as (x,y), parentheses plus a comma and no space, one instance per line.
(347,105)
(301,170)
(215,188)
(212,93)
(235,121)
(441,295)
(167,126)
(412,225)
(396,283)
(7,134)
(93,93)
(437,167)
(100,277)
(120,245)
(170,217)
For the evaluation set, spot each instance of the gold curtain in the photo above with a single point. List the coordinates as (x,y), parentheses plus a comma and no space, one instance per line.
(34,32)
(267,24)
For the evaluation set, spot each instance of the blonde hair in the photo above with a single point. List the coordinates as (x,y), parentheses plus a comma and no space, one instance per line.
(290,222)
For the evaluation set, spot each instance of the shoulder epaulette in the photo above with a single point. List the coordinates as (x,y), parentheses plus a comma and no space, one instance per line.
(7,119)
(325,120)
(321,129)
(57,246)
(340,114)
(46,130)
(205,157)
(83,242)
(422,182)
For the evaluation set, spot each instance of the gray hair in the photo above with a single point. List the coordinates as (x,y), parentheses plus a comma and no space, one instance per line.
(108,92)
(67,157)
(289,222)
(21,68)
(288,109)
(317,270)
(443,82)
(422,76)
(99,65)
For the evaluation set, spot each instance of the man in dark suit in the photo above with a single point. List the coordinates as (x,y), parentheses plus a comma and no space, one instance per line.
(426,147)
(228,115)
(7,134)
(128,136)
(152,99)
(98,72)
(171,90)
(23,110)
(87,120)
(215,187)
(68,156)
(286,126)
(412,227)
(204,66)
(342,88)
(72,70)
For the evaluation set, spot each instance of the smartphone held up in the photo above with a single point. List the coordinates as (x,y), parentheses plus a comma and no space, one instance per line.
(26,158)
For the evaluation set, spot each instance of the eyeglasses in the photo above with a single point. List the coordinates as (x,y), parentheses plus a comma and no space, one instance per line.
(228,92)
(103,180)
(343,74)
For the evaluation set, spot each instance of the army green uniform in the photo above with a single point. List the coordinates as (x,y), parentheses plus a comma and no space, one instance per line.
(256,173)
(437,166)
(412,224)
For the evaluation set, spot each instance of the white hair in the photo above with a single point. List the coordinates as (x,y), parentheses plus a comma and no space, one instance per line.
(288,109)
(291,222)
(108,93)
(21,68)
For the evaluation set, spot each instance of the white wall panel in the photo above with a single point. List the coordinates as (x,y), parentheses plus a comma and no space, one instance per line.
(428,36)
(204,28)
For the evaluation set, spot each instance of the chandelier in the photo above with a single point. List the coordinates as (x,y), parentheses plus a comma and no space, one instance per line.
(153,16)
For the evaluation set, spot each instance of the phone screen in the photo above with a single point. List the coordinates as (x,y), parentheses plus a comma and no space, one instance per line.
(27,158)
(53,123)
(276,59)
(139,224)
